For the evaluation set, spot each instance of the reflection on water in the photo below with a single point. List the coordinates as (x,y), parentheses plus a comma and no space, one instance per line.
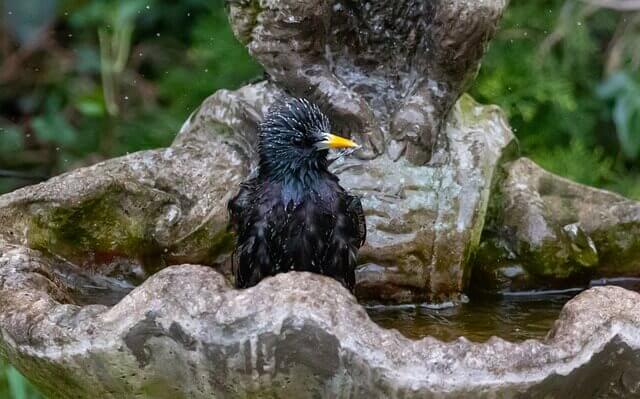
(514,317)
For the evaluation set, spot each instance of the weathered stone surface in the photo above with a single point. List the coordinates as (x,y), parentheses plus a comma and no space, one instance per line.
(545,231)
(425,221)
(184,333)
(148,209)
(384,68)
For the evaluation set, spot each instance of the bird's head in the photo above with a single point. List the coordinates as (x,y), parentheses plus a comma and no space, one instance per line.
(295,137)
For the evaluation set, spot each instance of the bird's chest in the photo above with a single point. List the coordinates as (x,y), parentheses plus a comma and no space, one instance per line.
(295,211)
(304,237)
(307,215)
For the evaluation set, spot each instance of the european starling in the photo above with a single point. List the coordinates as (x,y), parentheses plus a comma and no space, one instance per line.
(294,215)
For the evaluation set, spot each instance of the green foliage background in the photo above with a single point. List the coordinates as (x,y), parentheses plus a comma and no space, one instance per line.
(82,81)
(566,73)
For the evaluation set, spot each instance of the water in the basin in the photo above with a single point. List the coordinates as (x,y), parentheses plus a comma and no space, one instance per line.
(514,317)
(106,287)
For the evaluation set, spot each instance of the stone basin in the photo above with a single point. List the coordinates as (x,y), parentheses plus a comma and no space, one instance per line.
(185,333)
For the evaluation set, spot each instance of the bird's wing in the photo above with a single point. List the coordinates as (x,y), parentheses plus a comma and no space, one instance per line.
(258,251)
(356,215)
(239,205)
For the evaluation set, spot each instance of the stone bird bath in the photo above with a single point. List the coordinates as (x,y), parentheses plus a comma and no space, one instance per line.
(114,279)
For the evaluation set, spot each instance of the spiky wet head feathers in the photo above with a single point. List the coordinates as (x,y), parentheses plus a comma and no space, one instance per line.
(288,139)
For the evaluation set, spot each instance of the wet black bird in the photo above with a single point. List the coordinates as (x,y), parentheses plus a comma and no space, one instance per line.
(294,215)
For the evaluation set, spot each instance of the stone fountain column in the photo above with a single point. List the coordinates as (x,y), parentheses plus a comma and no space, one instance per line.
(101,295)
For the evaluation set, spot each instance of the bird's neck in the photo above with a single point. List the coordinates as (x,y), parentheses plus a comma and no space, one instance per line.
(298,171)
(297,180)
(302,176)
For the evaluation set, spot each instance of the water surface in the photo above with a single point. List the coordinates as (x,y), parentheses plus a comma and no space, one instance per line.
(514,317)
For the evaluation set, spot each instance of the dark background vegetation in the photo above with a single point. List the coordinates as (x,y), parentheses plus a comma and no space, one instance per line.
(82,81)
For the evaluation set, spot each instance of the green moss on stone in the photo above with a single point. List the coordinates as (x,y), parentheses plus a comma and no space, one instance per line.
(619,249)
(473,113)
(120,224)
(221,129)
(207,245)
(97,227)
(251,9)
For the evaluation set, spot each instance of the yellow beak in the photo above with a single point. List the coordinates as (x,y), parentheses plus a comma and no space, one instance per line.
(335,142)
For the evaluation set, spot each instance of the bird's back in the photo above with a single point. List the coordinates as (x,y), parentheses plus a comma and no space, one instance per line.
(280,228)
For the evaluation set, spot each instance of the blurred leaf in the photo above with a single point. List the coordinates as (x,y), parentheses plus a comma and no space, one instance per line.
(26,20)
(13,385)
(53,127)
(87,60)
(90,106)
(615,85)
(624,90)
(17,384)
(113,13)
(126,11)
(11,140)
(623,116)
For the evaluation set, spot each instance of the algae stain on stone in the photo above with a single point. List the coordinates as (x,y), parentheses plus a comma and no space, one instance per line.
(208,245)
(244,29)
(99,228)
(619,249)
(473,113)
(115,226)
